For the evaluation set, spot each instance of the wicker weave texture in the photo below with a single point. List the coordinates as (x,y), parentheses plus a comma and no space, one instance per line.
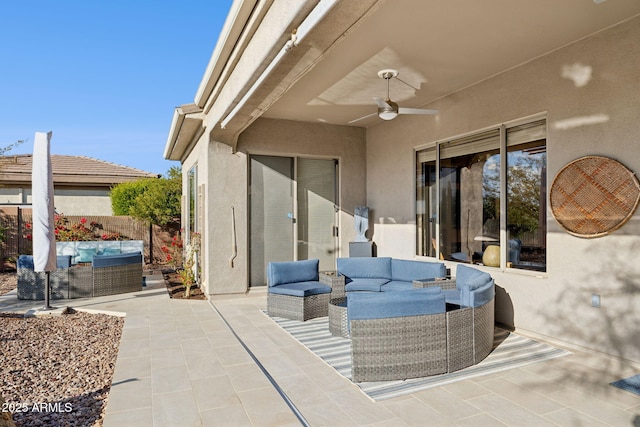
(444,284)
(336,282)
(338,325)
(483,329)
(460,339)
(81,281)
(117,279)
(398,347)
(593,196)
(31,284)
(298,308)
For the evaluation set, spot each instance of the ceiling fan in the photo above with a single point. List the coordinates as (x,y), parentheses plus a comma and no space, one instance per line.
(387,109)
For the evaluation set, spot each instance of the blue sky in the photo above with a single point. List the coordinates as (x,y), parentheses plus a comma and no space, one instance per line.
(104,76)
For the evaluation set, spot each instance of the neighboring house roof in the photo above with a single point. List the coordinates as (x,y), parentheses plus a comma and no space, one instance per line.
(70,170)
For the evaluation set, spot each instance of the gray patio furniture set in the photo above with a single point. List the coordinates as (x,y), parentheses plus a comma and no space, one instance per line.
(404,318)
(105,275)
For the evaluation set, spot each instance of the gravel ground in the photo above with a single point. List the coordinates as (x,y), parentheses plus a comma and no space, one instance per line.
(56,371)
(8,282)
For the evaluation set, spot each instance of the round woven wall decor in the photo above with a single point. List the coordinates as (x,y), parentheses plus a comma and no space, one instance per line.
(593,196)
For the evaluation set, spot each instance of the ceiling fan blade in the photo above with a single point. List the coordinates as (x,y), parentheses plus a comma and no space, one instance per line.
(363,117)
(403,110)
(382,103)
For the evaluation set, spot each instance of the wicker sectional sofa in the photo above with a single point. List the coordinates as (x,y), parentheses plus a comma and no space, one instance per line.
(106,275)
(391,340)
(405,318)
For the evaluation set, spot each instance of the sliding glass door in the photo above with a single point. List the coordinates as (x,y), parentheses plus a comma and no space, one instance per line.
(293,212)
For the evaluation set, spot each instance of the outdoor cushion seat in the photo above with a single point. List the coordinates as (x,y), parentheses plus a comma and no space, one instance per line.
(452,296)
(386,274)
(397,285)
(475,287)
(99,261)
(26,261)
(382,305)
(359,284)
(364,268)
(295,292)
(408,270)
(301,289)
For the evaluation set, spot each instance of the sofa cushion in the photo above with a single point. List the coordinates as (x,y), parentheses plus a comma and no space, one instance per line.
(26,261)
(394,304)
(111,251)
(86,254)
(471,277)
(397,285)
(280,273)
(479,296)
(365,267)
(301,289)
(63,261)
(452,296)
(406,270)
(371,285)
(100,261)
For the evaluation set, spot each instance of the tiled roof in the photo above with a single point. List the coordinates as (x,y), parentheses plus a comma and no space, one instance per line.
(69,170)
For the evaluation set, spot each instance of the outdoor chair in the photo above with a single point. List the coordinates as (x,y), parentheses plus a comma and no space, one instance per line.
(295,291)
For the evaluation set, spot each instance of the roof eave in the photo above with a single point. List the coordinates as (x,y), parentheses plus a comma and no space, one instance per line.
(236,22)
(186,126)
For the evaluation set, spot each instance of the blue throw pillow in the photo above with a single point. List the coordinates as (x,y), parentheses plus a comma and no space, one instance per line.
(86,254)
(110,251)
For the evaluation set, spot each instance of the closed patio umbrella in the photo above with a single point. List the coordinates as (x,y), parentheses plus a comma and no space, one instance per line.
(44,239)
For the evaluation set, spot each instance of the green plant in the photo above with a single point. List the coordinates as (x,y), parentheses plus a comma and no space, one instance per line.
(153,200)
(191,267)
(173,252)
(81,231)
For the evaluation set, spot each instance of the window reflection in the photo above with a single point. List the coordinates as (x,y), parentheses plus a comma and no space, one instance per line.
(468,200)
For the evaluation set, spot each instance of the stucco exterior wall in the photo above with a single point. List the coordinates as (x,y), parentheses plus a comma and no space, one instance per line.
(345,143)
(226,178)
(198,158)
(558,303)
(68,201)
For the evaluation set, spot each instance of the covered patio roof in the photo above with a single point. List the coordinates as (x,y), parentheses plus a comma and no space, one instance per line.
(318,61)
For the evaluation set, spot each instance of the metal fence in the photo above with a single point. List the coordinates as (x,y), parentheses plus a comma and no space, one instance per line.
(16,223)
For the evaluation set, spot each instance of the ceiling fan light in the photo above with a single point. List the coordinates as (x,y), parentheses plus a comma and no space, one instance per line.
(387,110)
(387,114)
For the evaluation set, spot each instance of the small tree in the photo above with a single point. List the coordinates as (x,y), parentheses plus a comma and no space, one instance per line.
(191,266)
(123,196)
(153,200)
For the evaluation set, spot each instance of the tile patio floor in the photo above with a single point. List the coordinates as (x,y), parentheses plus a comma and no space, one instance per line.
(179,364)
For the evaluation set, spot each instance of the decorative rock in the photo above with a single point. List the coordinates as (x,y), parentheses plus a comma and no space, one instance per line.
(5,416)
(57,370)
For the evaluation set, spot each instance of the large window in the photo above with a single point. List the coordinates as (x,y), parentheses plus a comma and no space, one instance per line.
(482,198)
